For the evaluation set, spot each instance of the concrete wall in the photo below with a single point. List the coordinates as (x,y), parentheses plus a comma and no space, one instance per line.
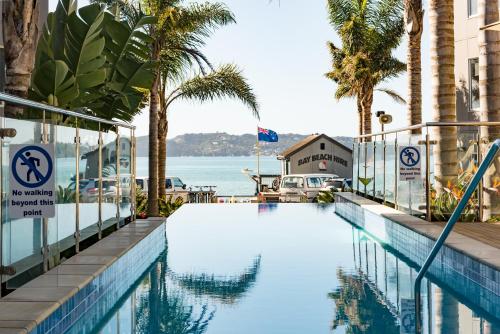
(336,158)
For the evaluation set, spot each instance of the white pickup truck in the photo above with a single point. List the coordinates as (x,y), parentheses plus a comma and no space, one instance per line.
(173,185)
(302,187)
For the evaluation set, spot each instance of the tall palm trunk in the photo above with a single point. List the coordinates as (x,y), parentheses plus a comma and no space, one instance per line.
(360,117)
(21,27)
(162,153)
(154,110)
(366,107)
(414,27)
(489,92)
(442,53)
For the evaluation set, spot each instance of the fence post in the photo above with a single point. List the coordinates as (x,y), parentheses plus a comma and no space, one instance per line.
(99,175)
(77,188)
(133,189)
(481,184)
(384,164)
(118,185)
(45,221)
(374,166)
(396,159)
(428,176)
(357,183)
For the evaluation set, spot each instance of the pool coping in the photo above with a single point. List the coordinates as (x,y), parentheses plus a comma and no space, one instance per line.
(473,248)
(28,306)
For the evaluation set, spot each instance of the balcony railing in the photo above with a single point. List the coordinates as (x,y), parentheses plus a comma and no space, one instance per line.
(376,170)
(94,168)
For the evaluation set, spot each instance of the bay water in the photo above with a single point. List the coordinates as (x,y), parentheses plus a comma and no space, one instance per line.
(226,173)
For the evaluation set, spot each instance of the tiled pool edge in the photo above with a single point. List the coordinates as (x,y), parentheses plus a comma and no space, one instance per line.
(460,265)
(54,301)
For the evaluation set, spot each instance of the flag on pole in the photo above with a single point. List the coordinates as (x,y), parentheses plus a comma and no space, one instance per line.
(267,135)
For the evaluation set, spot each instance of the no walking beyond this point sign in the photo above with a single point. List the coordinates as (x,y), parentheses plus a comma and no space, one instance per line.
(32,183)
(410,166)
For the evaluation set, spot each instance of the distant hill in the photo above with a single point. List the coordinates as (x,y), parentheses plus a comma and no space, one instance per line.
(223,144)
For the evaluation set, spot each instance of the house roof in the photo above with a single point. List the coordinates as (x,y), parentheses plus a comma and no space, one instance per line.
(309,140)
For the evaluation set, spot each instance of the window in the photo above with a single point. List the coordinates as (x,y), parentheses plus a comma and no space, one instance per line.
(168,184)
(474,84)
(178,183)
(292,182)
(472,7)
(313,182)
(140,183)
(322,146)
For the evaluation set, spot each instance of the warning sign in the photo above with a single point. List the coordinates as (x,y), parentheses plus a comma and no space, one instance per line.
(32,183)
(409,163)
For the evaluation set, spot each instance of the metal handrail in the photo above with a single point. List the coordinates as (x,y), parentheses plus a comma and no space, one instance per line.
(37,105)
(428,125)
(488,159)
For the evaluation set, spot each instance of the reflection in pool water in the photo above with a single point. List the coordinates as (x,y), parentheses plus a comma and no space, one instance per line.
(296,269)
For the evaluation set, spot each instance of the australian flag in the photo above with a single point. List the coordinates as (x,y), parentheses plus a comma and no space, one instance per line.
(267,135)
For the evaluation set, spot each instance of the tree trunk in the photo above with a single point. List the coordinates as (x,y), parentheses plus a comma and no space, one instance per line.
(360,116)
(21,29)
(443,91)
(154,109)
(162,153)
(366,107)
(489,94)
(414,27)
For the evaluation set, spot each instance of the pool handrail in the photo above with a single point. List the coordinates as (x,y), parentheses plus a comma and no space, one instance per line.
(488,159)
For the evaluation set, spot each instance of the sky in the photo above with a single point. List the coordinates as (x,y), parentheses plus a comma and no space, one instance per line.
(281,48)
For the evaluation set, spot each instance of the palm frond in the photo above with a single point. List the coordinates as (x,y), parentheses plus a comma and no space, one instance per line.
(225,82)
(393,94)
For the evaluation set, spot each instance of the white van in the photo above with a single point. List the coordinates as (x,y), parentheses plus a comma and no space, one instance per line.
(172,184)
(302,187)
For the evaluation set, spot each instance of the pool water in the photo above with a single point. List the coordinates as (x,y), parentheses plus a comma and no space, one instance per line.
(288,268)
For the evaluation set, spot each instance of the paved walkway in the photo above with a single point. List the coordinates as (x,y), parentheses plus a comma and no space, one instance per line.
(488,233)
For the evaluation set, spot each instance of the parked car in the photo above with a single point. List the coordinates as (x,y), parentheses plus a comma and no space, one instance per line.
(302,187)
(172,184)
(335,184)
(89,189)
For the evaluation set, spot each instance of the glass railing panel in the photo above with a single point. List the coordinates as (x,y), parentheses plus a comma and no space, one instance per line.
(88,163)
(418,190)
(21,237)
(66,160)
(355,165)
(404,187)
(109,179)
(490,183)
(370,168)
(390,165)
(379,172)
(125,173)
(362,169)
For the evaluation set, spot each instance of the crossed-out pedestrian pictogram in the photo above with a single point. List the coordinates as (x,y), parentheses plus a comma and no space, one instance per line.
(31,172)
(409,156)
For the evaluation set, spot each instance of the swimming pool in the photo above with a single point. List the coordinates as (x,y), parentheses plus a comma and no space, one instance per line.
(288,268)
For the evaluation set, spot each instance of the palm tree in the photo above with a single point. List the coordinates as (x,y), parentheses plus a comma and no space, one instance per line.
(414,16)
(225,81)
(489,90)
(369,30)
(444,92)
(186,35)
(21,29)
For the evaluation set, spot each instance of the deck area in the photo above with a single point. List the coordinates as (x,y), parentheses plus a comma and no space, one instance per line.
(488,233)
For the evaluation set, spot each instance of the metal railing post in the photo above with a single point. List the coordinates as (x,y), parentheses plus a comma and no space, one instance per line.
(481,185)
(384,164)
(396,159)
(428,212)
(118,185)
(357,183)
(365,166)
(374,166)
(133,189)
(45,221)
(449,226)
(77,189)
(99,175)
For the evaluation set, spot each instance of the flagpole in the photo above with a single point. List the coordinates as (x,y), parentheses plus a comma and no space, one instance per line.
(258,159)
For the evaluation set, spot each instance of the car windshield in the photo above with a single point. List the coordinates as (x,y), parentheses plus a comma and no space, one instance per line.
(314,182)
(178,182)
(292,182)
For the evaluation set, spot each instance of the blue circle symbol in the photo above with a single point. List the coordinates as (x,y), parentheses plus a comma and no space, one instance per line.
(24,155)
(409,156)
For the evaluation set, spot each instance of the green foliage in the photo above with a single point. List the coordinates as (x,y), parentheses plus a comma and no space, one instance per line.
(167,204)
(86,58)
(65,195)
(444,204)
(369,30)
(225,81)
(326,196)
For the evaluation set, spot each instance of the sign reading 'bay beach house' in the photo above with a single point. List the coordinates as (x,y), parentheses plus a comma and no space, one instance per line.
(32,186)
